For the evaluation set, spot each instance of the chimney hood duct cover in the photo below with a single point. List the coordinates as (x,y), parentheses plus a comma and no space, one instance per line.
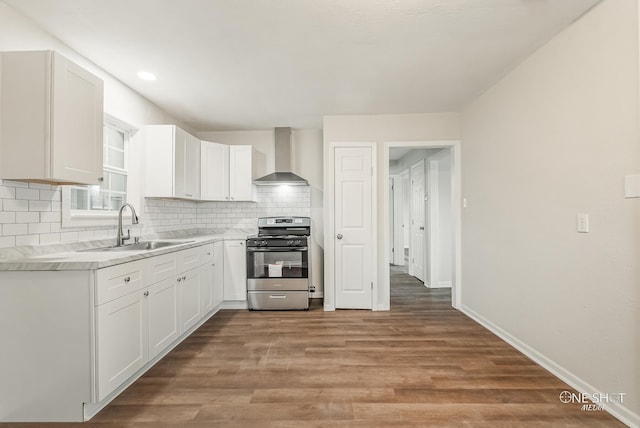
(283,174)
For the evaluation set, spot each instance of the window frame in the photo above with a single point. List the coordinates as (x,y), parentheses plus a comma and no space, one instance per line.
(98,218)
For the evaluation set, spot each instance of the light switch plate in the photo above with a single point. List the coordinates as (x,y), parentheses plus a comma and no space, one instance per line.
(583,223)
(632,186)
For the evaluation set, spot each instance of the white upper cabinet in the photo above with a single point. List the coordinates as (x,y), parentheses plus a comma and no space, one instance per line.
(240,184)
(215,171)
(172,163)
(51,120)
(226,173)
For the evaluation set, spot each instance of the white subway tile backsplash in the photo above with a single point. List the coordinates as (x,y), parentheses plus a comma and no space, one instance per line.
(27,217)
(14,229)
(50,217)
(15,205)
(30,214)
(39,228)
(12,183)
(25,193)
(7,241)
(50,238)
(27,240)
(7,217)
(39,206)
(49,195)
(7,192)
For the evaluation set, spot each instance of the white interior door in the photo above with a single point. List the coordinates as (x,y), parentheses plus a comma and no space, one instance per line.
(353,214)
(416,252)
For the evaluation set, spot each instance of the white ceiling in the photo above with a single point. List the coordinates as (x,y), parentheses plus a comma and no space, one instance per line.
(257,64)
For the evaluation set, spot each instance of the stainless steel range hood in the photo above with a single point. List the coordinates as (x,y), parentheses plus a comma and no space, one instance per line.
(283,174)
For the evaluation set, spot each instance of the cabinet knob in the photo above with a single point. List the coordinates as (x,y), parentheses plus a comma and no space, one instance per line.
(146,293)
(100,179)
(127,278)
(208,254)
(179,279)
(184,277)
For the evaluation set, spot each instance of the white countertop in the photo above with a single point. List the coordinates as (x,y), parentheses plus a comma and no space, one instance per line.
(72,257)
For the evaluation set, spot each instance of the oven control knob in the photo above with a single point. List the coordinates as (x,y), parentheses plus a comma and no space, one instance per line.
(263,243)
(298,242)
(290,242)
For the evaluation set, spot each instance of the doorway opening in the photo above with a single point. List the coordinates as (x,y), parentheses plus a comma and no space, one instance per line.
(424,214)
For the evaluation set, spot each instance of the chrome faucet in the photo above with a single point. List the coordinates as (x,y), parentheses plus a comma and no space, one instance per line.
(134,220)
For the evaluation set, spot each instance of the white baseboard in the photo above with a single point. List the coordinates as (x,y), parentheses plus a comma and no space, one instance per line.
(440,284)
(230,304)
(329,308)
(617,410)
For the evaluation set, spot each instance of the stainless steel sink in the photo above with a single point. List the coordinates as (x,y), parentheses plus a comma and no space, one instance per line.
(139,246)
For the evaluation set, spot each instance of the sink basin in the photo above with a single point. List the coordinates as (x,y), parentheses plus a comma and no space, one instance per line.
(140,246)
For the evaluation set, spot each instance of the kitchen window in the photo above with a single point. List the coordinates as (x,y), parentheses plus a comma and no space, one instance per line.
(98,205)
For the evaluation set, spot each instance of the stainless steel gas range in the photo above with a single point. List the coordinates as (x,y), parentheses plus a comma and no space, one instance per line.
(278,268)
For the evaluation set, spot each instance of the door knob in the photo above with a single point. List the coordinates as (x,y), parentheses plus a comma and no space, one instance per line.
(339,236)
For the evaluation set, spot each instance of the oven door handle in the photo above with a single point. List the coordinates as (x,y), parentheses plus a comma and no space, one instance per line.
(275,249)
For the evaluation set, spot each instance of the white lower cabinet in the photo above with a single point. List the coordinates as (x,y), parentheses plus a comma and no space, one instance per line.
(103,327)
(153,302)
(163,315)
(189,291)
(122,341)
(235,270)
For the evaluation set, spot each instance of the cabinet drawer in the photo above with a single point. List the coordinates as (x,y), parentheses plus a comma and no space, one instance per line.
(277,300)
(207,255)
(119,280)
(188,259)
(161,267)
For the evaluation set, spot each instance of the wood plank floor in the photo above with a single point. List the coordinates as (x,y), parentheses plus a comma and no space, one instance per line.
(420,364)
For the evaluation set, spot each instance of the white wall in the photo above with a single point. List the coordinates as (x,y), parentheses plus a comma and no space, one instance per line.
(554,138)
(379,129)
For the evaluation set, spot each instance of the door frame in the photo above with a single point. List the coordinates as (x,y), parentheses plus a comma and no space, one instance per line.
(329,223)
(454,146)
(398,219)
(419,165)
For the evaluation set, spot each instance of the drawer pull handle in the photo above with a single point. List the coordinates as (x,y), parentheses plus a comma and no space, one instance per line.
(146,293)
(127,278)
(277,296)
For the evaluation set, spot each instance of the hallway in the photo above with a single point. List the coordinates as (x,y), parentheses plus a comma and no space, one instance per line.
(421,364)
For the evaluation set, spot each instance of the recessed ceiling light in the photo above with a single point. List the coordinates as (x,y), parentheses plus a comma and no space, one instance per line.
(145,75)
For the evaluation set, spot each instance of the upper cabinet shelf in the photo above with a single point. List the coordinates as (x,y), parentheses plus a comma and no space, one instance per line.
(51,119)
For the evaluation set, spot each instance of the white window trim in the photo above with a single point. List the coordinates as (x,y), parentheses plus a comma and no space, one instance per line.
(81,218)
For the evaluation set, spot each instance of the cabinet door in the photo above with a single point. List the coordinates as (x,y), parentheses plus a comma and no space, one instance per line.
(218,273)
(163,315)
(190,306)
(192,167)
(122,327)
(214,171)
(77,123)
(240,184)
(187,165)
(206,288)
(180,164)
(235,270)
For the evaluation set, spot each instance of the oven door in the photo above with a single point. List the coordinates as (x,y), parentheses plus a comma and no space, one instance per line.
(277,262)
